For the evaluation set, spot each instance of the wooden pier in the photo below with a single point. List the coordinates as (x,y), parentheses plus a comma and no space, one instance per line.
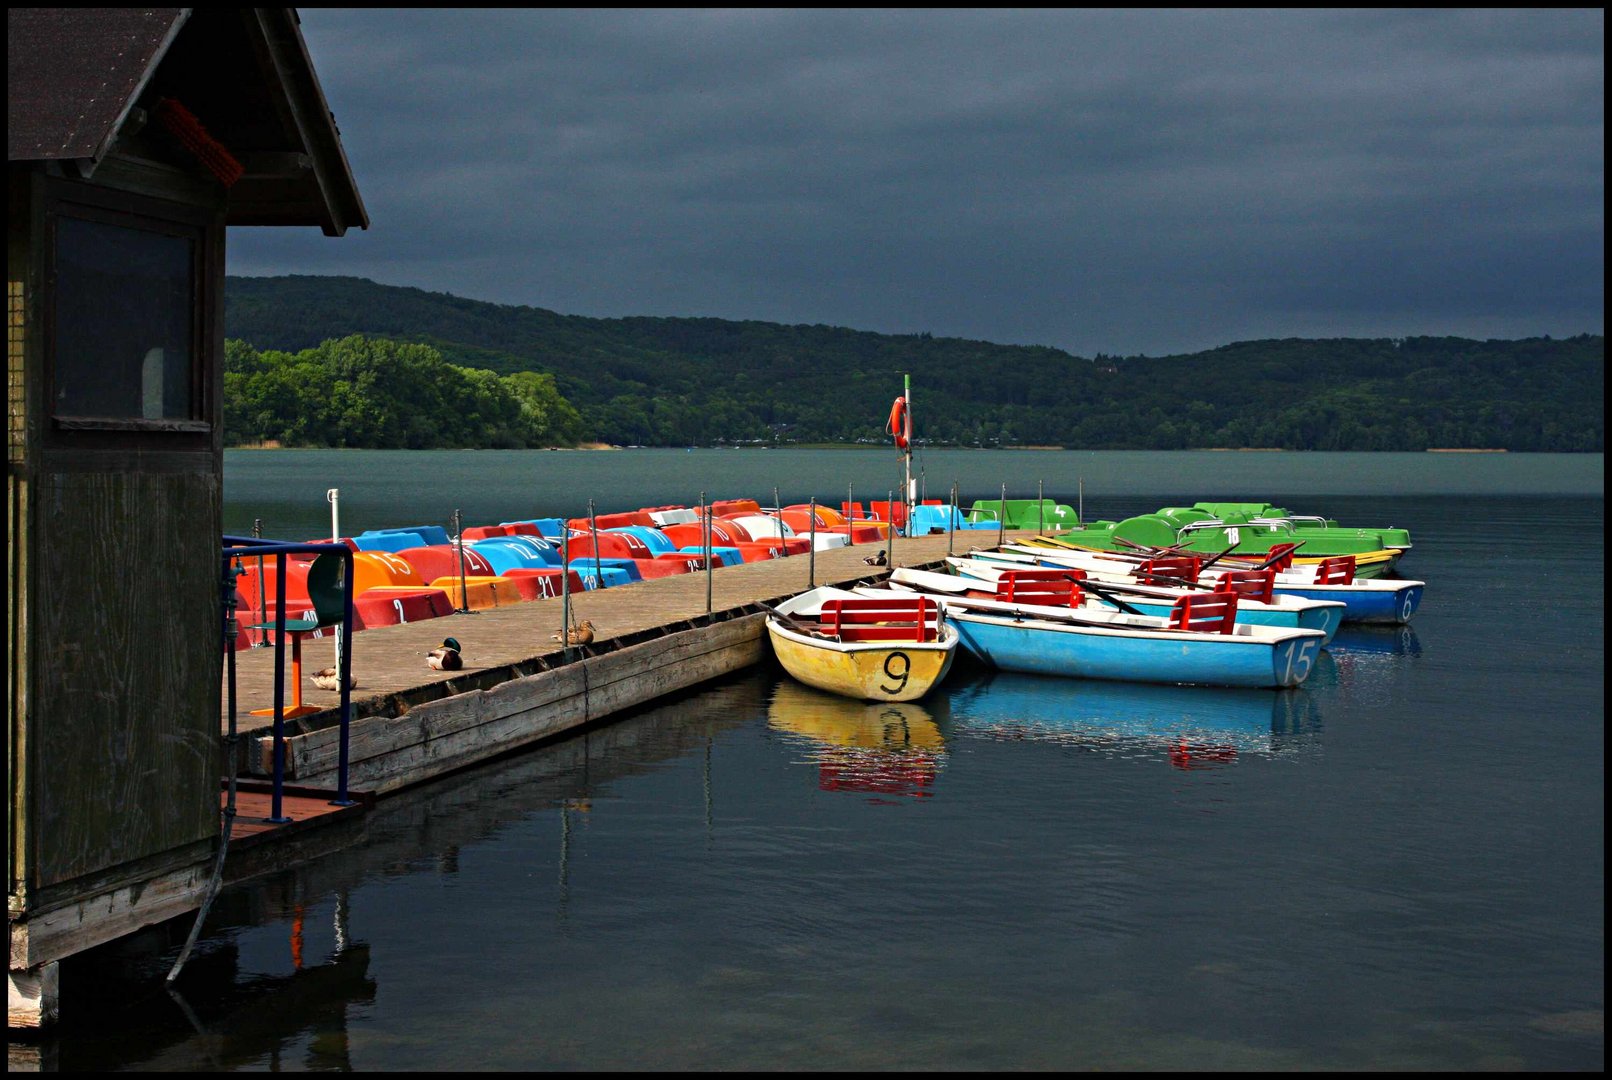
(518,686)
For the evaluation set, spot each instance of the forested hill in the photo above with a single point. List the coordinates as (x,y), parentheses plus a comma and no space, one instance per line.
(694,381)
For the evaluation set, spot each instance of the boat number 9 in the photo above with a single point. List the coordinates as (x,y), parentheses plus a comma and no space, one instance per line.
(897,665)
(1299,658)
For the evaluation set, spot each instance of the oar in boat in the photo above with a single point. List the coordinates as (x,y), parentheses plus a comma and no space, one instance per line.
(1102,593)
(797,625)
(1207,563)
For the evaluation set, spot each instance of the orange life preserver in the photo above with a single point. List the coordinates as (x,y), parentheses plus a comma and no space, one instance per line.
(900,424)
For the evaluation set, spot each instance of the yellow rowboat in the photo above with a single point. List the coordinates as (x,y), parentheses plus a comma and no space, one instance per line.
(868,647)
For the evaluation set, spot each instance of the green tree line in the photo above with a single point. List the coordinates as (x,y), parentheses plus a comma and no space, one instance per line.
(698,381)
(358,391)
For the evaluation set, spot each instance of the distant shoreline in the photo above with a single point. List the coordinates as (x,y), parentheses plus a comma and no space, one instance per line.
(274,445)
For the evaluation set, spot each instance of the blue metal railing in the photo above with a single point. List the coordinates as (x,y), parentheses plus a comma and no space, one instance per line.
(238,547)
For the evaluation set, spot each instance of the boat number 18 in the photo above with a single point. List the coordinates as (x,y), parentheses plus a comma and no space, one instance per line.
(897,665)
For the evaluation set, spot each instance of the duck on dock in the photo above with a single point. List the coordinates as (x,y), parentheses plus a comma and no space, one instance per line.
(445,657)
(581,634)
(328,679)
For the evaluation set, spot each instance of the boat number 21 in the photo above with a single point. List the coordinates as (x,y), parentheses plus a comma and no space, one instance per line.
(897,665)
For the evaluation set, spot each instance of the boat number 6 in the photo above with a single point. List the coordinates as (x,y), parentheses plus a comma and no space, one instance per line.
(897,671)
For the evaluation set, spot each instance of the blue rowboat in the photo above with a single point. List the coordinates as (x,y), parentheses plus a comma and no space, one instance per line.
(1156,600)
(1085,643)
(1365,600)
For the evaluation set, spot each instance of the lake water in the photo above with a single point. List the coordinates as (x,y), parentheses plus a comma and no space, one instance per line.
(1398,866)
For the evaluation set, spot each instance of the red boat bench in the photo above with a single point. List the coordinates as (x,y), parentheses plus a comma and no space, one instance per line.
(897,619)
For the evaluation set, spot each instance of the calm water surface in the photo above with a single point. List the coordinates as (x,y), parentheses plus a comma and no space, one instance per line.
(1398,866)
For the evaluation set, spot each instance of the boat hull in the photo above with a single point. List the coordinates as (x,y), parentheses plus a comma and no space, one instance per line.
(873,671)
(1376,600)
(1038,647)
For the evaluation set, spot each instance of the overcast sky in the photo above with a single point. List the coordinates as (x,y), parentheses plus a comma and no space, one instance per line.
(1099,181)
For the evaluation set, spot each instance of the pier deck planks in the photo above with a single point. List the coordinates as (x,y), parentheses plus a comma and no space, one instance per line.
(389,661)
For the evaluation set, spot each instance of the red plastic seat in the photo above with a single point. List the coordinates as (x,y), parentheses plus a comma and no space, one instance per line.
(1210,612)
(1257,585)
(1338,570)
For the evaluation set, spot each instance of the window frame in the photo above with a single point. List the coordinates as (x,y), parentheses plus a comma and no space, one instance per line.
(203,227)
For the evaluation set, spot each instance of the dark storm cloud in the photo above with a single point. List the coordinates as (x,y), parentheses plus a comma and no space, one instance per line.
(1098,181)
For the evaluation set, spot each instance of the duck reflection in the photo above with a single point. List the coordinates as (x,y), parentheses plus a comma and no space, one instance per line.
(879,748)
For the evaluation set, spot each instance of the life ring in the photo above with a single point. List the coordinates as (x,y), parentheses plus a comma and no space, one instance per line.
(900,423)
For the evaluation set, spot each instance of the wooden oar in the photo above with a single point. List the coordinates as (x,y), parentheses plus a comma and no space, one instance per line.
(797,625)
(1103,594)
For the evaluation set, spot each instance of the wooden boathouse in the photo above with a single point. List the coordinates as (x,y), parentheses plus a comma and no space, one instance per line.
(135,137)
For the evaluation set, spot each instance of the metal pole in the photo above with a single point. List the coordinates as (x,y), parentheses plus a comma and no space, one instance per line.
(890,556)
(593,530)
(1040,509)
(565,592)
(811,553)
(850,518)
(906,457)
(1001,518)
(778,511)
(459,546)
(705,532)
(1080,511)
(263,634)
(951,518)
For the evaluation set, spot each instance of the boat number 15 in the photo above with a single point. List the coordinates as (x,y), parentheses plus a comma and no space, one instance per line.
(897,665)
(1300,656)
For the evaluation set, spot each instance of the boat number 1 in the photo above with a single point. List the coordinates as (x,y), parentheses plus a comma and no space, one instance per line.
(897,671)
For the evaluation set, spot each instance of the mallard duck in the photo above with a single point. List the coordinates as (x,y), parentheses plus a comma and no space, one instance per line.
(578,635)
(445,657)
(327,679)
(875,560)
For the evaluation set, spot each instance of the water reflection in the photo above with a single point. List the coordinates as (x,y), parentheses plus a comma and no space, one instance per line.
(238,1005)
(1193,727)
(1398,640)
(883,748)
(1365,662)
(278,972)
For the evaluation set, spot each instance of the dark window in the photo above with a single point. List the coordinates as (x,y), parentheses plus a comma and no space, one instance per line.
(128,319)
(125,322)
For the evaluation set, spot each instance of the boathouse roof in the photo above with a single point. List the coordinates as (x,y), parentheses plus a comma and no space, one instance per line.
(80,78)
